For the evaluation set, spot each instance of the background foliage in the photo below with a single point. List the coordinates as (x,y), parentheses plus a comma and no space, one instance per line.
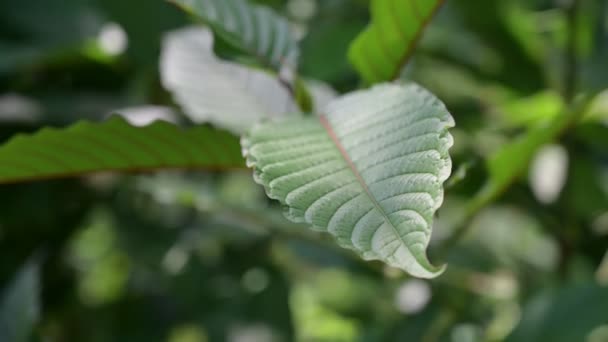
(204,256)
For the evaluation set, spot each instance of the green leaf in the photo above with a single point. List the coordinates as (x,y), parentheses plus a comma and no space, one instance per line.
(370,171)
(115,145)
(20,305)
(513,158)
(208,89)
(381,51)
(257,30)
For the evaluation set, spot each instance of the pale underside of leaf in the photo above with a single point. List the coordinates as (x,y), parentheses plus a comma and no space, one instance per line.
(370,171)
(380,52)
(256,29)
(229,95)
(115,145)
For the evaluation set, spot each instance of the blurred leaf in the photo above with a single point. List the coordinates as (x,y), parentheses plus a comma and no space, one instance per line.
(532,110)
(255,29)
(381,51)
(19,305)
(513,158)
(226,94)
(515,239)
(565,314)
(114,145)
(315,322)
(370,171)
(489,23)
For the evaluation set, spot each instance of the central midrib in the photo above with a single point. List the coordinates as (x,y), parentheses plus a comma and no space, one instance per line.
(332,134)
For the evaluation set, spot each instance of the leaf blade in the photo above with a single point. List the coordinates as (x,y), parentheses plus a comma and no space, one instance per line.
(369,172)
(115,145)
(380,52)
(251,28)
(229,95)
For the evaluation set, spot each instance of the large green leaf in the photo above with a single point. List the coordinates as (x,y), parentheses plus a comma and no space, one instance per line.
(115,145)
(208,89)
(255,29)
(381,51)
(370,171)
(20,305)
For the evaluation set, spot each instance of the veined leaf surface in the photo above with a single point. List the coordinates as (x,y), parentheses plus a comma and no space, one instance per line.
(370,171)
(208,89)
(115,145)
(380,52)
(255,29)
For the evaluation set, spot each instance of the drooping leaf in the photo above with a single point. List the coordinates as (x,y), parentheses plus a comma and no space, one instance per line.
(115,145)
(20,305)
(255,29)
(370,171)
(226,94)
(381,51)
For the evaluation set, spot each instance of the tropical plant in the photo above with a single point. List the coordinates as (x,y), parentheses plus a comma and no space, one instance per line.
(159,182)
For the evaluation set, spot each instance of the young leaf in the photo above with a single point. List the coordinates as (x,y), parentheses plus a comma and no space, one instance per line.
(370,171)
(19,305)
(115,145)
(226,94)
(257,30)
(380,52)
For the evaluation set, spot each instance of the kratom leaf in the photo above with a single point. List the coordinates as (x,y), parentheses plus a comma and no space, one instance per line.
(115,145)
(20,305)
(226,94)
(380,52)
(370,171)
(255,29)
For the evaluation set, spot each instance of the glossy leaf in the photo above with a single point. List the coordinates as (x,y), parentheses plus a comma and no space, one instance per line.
(381,51)
(255,29)
(208,89)
(370,171)
(20,305)
(115,145)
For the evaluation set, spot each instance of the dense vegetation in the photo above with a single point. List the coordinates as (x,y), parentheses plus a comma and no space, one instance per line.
(303,170)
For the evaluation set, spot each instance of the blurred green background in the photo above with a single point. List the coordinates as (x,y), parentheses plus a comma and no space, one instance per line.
(194,257)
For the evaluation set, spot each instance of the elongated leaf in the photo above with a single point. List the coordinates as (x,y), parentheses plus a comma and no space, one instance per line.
(370,171)
(381,51)
(115,145)
(512,159)
(19,305)
(255,29)
(226,94)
